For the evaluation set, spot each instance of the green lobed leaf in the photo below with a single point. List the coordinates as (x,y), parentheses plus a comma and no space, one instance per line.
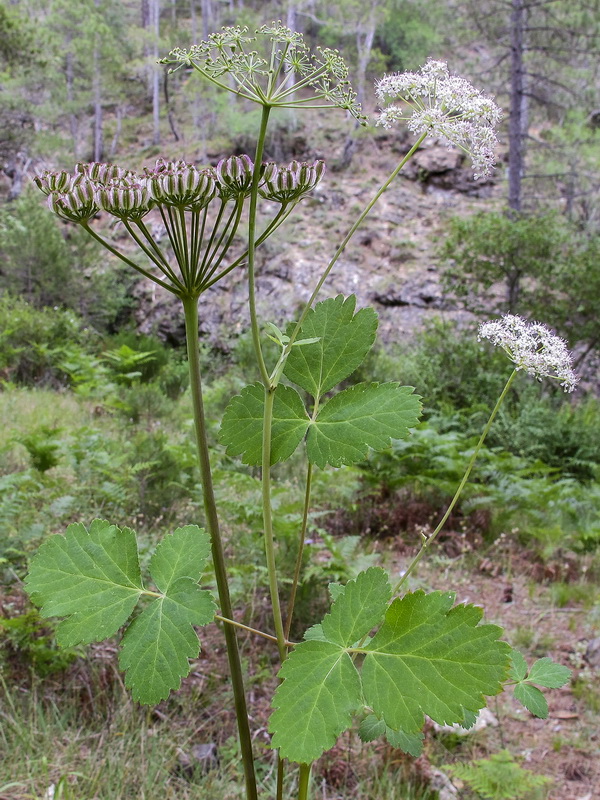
(411,743)
(90,577)
(372,728)
(93,579)
(430,658)
(181,555)
(532,699)
(363,416)
(358,608)
(343,340)
(314,703)
(311,710)
(546,672)
(157,645)
(518,666)
(242,424)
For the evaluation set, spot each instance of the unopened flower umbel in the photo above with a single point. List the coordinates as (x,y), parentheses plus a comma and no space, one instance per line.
(533,347)
(445,105)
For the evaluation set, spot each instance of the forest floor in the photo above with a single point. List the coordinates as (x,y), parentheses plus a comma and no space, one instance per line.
(513,587)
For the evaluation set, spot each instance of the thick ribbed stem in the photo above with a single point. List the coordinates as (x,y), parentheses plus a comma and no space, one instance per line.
(190,306)
(304,780)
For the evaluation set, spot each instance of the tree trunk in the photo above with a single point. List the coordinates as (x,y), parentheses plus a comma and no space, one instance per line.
(516,129)
(206,13)
(97,91)
(364,45)
(155,12)
(70,79)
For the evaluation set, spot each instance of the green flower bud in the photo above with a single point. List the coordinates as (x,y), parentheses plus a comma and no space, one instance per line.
(182,186)
(78,204)
(291,183)
(49,182)
(105,173)
(124,200)
(234,176)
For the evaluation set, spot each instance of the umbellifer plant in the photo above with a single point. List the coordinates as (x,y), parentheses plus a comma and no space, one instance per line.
(382,655)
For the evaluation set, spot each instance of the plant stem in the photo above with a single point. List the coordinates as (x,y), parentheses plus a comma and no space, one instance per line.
(190,307)
(260,144)
(429,539)
(278,371)
(298,568)
(268,523)
(304,780)
(242,626)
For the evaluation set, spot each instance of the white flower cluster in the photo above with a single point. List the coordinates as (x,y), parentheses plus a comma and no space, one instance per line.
(445,105)
(532,347)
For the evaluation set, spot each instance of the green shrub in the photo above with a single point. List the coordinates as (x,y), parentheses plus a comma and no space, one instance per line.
(53,265)
(33,342)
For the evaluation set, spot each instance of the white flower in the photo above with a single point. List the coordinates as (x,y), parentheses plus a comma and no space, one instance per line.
(532,347)
(445,105)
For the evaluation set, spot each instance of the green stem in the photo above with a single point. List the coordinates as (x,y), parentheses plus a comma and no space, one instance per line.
(190,307)
(429,539)
(268,523)
(277,372)
(304,780)
(298,568)
(128,261)
(260,143)
(239,625)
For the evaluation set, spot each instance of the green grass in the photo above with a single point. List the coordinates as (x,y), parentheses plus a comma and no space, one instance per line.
(93,742)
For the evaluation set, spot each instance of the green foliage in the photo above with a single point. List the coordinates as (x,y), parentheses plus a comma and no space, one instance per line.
(33,342)
(29,640)
(126,362)
(92,578)
(427,658)
(499,777)
(343,429)
(43,445)
(52,266)
(343,339)
(548,267)
(410,34)
(543,672)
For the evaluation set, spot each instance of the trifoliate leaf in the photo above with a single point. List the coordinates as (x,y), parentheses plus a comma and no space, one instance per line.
(430,658)
(411,743)
(157,645)
(371,728)
(93,579)
(344,339)
(532,699)
(546,672)
(359,608)
(366,415)
(242,425)
(518,666)
(90,577)
(315,702)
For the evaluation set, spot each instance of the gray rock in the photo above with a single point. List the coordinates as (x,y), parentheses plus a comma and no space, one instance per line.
(592,653)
